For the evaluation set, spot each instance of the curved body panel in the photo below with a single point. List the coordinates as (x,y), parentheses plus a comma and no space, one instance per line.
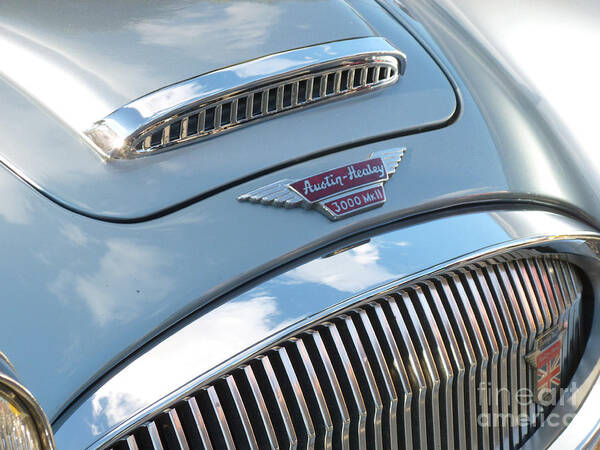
(330,280)
(101,259)
(58,162)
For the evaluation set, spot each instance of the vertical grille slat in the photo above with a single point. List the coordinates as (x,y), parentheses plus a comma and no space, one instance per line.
(263,411)
(405,307)
(382,373)
(522,335)
(178,429)
(365,377)
(199,423)
(275,389)
(548,316)
(131,443)
(500,398)
(555,287)
(221,418)
(442,360)
(533,327)
(439,363)
(466,349)
(488,338)
(317,405)
(547,289)
(399,375)
(472,328)
(346,376)
(241,411)
(435,305)
(154,436)
(309,435)
(414,370)
(514,357)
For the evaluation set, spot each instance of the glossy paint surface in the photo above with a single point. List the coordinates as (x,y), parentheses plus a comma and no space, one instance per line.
(526,36)
(87,292)
(83,294)
(95,57)
(57,160)
(296,295)
(516,115)
(121,284)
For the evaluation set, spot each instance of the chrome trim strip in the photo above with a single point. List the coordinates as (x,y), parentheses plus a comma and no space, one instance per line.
(10,385)
(129,131)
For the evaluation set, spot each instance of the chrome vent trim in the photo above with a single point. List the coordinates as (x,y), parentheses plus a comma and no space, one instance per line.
(226,99)
(401,369)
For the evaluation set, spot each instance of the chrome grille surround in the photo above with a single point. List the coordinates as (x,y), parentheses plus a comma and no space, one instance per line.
(226,99)
(403,368)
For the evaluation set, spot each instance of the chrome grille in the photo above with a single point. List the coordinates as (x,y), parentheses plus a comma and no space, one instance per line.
(268,100)
(410,369)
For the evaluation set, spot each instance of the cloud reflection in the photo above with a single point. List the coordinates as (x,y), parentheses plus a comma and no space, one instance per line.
(351,271)
(241,25)
(24,60)
(126,269)
(193,350)
(14,207)
(74,234)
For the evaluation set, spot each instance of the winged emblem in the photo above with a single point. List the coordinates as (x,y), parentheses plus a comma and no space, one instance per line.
(337,193)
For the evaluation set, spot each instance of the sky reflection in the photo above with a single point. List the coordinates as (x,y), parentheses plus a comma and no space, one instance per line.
(126,267)
(223,331)
(354,270)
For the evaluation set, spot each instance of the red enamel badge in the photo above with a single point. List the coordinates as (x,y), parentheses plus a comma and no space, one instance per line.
(338,192)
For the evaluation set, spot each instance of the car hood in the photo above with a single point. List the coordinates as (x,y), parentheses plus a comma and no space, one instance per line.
(81,295)
(76,62)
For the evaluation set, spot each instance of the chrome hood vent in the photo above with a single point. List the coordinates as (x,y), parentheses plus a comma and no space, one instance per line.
(223,100)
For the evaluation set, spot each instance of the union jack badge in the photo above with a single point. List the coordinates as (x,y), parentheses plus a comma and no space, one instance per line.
(337,193)
(547,362)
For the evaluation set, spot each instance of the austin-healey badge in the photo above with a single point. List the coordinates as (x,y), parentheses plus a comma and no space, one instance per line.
(337,193)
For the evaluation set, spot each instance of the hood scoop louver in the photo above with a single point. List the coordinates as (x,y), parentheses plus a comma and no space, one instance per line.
(226,99)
